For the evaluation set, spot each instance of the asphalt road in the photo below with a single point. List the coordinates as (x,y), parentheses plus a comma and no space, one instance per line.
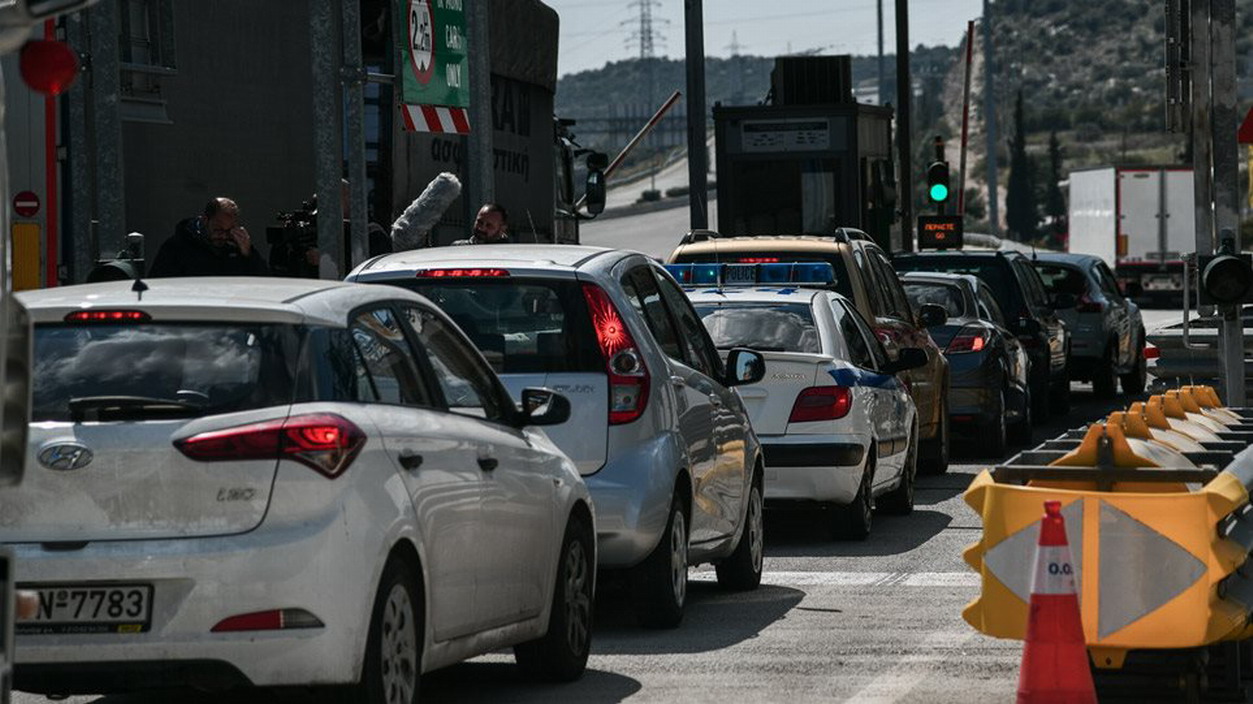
(876,621)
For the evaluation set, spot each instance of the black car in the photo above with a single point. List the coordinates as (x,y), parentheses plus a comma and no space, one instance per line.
(1032,315)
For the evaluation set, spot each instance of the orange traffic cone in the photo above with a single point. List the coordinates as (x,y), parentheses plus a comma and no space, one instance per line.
(1054,659)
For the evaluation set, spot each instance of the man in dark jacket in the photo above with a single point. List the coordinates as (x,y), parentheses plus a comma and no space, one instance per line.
(212,244)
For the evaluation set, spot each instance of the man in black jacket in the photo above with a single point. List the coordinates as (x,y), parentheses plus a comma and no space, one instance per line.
(212,244)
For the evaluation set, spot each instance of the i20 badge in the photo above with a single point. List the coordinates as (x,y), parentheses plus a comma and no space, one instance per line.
(64,456)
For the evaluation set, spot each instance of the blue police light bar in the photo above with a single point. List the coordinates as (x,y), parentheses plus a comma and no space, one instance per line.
(790,273)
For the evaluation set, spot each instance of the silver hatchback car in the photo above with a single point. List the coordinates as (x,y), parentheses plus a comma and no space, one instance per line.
(664,444)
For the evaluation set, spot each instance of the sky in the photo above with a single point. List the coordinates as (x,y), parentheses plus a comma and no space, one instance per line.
(595,32)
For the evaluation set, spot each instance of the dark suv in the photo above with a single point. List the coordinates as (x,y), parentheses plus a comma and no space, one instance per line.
(1032,315)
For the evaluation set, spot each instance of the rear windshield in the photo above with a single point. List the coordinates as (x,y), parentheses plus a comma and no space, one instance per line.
(115,372)
(766,257)
(522,326)
(768,327)
(994,271)
(1062,279)
(950,297)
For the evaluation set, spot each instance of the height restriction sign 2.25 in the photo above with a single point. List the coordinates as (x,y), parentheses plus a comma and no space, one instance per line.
(432,61)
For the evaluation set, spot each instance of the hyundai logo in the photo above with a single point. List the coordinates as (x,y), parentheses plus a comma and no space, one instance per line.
(64,456)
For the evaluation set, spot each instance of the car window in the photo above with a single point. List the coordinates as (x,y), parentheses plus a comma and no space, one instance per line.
(864,349)
(878,303)
(890,284)
(389,364)
(946,296)
(1059,278)
(641,289)
(1107,282)
(468,386)
(765,327)
(994,271)
(1032,285)
(702,354)
(989,309)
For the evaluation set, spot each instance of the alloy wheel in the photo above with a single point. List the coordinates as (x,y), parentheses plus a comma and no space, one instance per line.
(577,597)
(678,557)
(756,529)
(398,649)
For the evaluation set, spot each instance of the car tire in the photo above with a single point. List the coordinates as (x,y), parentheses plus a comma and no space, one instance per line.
(561,654)
(659,583)
(1133,381)
(934,453)
(1104,378)
(1020,433)
(392,671)
(1059,395)
(853,521)
(995,434)
(741,571)
(900,501)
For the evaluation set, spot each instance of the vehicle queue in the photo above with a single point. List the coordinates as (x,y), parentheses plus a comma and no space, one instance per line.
(299,482)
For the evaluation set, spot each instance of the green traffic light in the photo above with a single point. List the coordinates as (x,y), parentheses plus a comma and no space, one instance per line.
(939,192)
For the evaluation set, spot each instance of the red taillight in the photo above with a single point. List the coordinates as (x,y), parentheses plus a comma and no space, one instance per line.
(821,403)
(460,273)
(628,377)
(324,441)
(968,340)
(1152,352)
(276,620)
(108,316)
(1087,305)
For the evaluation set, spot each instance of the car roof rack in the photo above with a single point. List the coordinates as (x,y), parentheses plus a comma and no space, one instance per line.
(840,234)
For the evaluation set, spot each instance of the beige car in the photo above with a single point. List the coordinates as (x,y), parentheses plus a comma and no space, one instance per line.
(866,277)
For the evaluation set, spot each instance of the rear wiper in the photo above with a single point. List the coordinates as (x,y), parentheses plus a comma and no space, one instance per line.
(143,404)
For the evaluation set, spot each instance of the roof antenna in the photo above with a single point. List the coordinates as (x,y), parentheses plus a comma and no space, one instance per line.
(138,288)
(534,234)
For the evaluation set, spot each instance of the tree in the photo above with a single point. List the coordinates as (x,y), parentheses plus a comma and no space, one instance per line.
(1054,202)
(1021,212)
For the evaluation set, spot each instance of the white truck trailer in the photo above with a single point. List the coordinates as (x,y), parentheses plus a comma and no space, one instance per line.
(1140,220)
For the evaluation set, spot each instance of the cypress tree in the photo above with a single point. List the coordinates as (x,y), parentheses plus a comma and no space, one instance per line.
(1021,213)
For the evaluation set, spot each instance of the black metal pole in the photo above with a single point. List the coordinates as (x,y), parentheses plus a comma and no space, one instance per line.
(904,89)
(697,152)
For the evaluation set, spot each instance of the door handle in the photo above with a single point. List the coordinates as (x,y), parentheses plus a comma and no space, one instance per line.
(410,459)
(487,464)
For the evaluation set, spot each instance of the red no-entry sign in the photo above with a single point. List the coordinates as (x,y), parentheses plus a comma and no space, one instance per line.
(26,204)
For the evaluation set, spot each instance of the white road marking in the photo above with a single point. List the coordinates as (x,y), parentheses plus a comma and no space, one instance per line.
(858,579)
(908,672)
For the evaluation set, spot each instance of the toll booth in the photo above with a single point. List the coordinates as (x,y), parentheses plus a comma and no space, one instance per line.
(810,160)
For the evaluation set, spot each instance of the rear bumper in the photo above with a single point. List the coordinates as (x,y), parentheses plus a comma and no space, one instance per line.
(825,468)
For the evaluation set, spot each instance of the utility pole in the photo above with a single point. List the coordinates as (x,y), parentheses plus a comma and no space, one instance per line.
(1224,153)
(354,99)
(106,125)
(697,151)
(904,94)
(989,123)
(480,169)
(882,89)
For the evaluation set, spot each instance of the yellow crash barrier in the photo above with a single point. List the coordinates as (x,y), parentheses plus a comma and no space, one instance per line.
(1170,412)
(1148,561)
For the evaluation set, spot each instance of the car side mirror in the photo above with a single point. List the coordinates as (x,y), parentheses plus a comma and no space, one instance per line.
(594,189)
(544,407)
(744,366)
(1064,301)
(931,315)
(906,359)
(1028,326)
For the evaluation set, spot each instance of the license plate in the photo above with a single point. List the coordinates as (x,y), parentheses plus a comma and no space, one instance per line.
(1162,283)
(89,608)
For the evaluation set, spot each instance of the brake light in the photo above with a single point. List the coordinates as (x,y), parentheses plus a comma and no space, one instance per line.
(758,260)
(968,340)
(1152,352)
(460,273)
(324,442)
(276,620)
(1087,305)
(821,403)
(628,377)
(108,316)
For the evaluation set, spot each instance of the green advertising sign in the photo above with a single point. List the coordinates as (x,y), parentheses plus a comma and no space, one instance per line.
(432,56)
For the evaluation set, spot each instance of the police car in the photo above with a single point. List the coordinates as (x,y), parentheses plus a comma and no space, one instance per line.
(836,425)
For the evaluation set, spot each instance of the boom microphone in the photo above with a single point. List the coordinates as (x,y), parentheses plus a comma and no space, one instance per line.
(413,228)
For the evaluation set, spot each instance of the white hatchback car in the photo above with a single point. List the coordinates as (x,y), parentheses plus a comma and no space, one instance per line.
(836,425)
(281,482)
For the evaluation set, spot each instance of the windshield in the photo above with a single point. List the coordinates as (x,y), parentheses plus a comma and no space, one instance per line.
(1062,279)
(992,270)
(158,368)
(768,257)
(769,327)
(522,326)
(945,295)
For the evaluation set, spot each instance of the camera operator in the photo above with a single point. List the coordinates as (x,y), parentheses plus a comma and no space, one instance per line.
(294,244)
(211,244)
